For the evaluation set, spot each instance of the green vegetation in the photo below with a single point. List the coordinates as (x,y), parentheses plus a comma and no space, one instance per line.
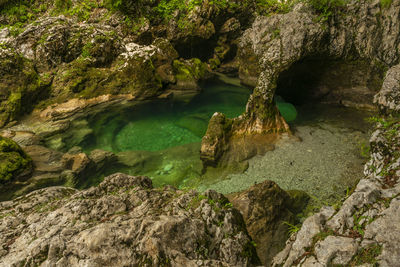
(326,8)
(13,160)
(189,70)
(367,255)
(365,150)
(21,12)
(322,236)
(385,3)
(293,228)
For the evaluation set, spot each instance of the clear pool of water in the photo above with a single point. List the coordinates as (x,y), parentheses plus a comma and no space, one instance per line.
(161,139)
(164,124)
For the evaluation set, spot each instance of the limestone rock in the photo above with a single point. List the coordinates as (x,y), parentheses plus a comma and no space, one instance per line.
(265,208)
(385,230)
(277,44)
(388,97)
(77,163)
(336,250)
(123,221)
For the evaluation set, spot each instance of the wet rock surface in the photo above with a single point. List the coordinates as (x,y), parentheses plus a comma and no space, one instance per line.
(123,221)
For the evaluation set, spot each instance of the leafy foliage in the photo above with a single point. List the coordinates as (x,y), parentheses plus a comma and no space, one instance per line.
(293,228)
(326,8)
(367,255)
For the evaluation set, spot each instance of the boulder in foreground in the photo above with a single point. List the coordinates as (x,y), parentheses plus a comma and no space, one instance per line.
(123,222)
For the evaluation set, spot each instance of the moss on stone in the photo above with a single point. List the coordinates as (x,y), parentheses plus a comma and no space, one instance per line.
(13,160)
(20,86)
(81,79)
(192,69)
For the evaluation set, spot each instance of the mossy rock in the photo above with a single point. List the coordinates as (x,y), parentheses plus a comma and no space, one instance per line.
(20,86)
(13,161)
(81,79)
(193,69)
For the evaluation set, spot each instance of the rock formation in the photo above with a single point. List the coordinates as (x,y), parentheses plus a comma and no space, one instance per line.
(267,211)
(365,229)
(123,222)
(280,52)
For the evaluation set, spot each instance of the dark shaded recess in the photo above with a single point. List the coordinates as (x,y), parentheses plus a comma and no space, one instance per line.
(322,79)
(200,48)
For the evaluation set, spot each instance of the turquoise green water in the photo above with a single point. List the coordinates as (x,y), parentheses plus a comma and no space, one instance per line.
(164,124)
(161,139)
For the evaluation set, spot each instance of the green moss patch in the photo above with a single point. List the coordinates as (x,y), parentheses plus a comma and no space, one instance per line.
(13,160)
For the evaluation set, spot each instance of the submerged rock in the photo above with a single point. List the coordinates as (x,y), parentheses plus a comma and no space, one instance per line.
(123,221)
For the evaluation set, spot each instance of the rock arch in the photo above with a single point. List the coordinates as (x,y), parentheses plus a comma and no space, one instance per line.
(364,32)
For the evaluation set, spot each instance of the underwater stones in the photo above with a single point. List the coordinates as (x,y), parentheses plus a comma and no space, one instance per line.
(102,159)
(45,160)
(105,225)
(196,123)
(152,135)
(366,219)
(186,166)
(26,138)
(168,167)
(77,163)
(265,208)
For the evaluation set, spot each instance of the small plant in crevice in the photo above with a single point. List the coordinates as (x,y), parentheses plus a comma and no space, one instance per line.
(292,228)
(365,150)
(359,224)
(326,8)
(367,255)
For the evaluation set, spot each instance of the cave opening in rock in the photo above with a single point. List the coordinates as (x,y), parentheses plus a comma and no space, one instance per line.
(321,79)
(332,99)
(192,47)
